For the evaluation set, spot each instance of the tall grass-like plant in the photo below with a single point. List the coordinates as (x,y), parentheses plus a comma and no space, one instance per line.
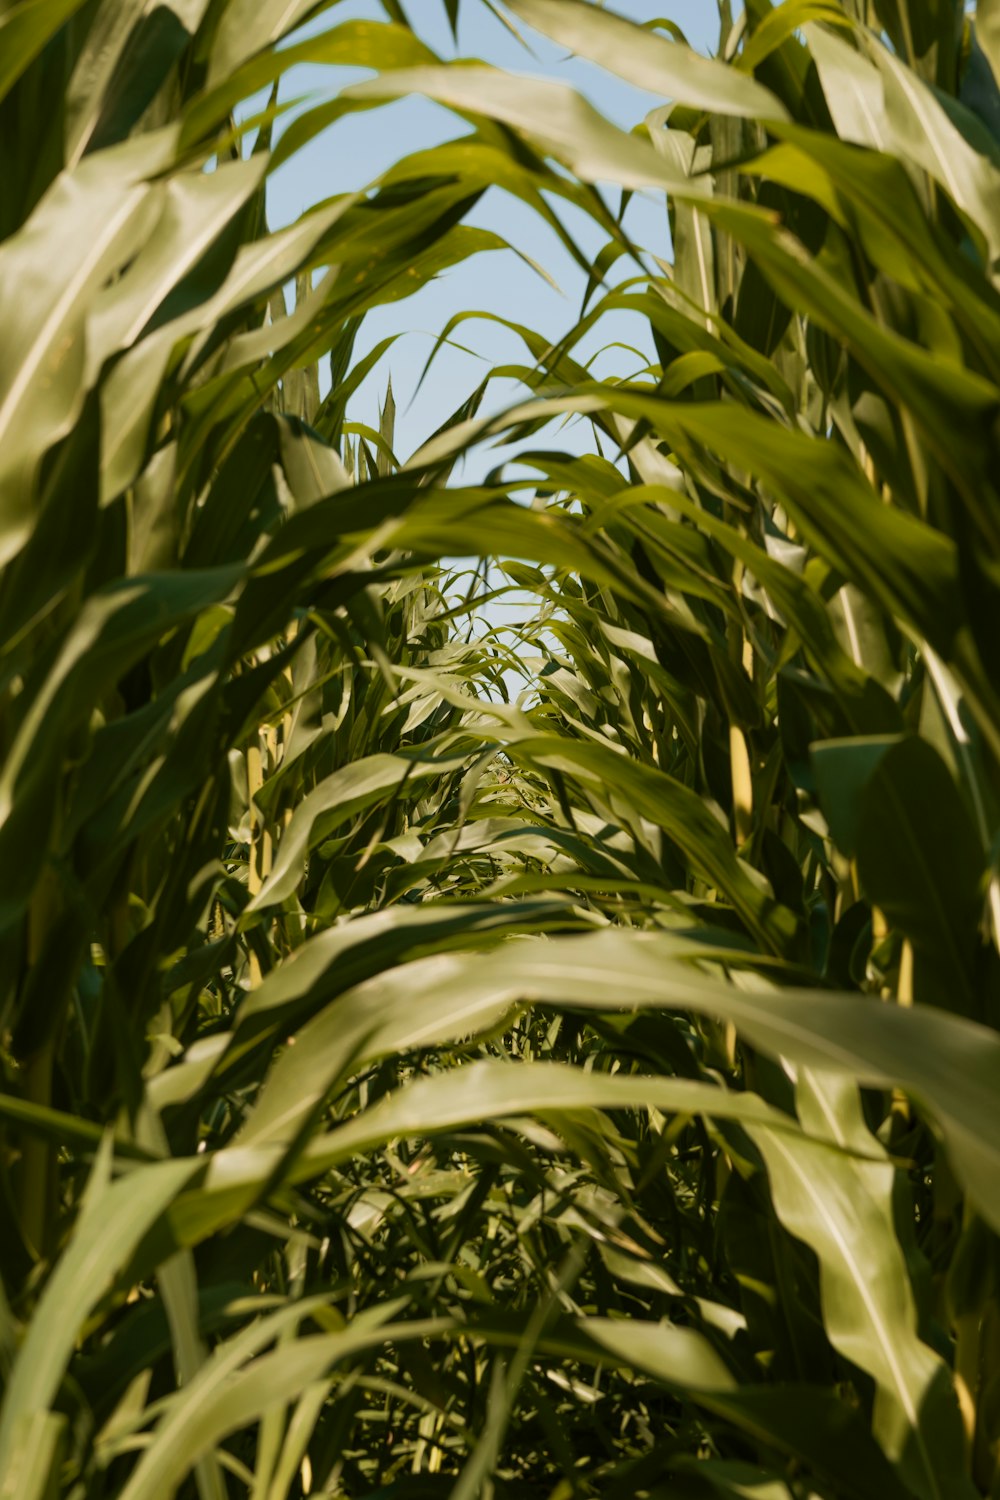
(209,617)
(408,1092)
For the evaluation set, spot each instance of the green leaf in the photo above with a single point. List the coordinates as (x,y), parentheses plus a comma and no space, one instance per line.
(25,29)
(842,1207)
(196,209)
(105,65)
(684,818)
(923,133)
(339,797)
(648,61)
(921,861)
(557,119)
(947,1064)
(43,381)
(893,805)
(86,1272)
(111,632)
(843,769)
(238,1385)
(247,28)
(33,1468)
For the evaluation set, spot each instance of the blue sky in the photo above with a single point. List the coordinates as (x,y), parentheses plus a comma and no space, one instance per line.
(354,152)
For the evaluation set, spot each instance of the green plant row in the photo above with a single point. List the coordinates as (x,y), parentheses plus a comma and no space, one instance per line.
(406,1090)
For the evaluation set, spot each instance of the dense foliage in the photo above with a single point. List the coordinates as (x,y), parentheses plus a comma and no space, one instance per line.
(407,1091)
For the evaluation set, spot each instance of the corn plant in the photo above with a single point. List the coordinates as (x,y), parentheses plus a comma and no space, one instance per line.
(407,1091)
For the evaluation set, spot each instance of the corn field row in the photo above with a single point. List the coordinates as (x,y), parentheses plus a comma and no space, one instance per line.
(548,1059)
